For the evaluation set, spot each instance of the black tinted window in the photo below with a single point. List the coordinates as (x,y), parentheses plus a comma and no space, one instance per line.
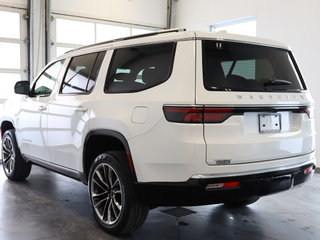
(138,68)
(47,80)
(82,73)
(231,66)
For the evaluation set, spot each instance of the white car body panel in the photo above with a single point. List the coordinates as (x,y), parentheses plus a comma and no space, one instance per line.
(143,135)
(31,125)
(67,125)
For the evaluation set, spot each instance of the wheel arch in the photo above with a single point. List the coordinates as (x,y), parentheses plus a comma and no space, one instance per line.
(102,140)
(6,125)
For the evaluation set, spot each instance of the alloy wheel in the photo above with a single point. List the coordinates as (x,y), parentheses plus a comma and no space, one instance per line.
(107,194)
(8,155)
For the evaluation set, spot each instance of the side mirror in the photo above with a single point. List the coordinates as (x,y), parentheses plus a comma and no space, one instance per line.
(22,87)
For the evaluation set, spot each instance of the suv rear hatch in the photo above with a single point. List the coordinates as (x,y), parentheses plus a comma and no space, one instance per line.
(254,102)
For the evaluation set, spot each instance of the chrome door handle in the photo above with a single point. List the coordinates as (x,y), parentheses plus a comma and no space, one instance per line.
(81,109)
(42,108)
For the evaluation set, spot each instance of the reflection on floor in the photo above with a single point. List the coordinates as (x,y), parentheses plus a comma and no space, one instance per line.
(48,207)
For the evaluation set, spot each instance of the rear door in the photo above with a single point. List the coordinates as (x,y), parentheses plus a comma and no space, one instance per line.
(69,110)
(256,107)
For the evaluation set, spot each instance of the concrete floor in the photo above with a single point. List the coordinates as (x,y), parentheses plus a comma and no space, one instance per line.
(48,207)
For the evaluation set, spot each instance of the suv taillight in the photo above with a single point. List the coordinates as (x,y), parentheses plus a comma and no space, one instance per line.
(194,114)
(205,114)
(309,110)
(217,115)
(183,114)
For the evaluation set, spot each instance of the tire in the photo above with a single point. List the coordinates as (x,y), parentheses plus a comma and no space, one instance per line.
(241,203)
(14,166)
(112,197)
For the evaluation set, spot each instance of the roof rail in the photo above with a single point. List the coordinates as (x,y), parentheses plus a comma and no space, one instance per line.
(132,37)
(152,34)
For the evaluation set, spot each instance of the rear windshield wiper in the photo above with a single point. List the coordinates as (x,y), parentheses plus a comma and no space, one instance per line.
(277,82)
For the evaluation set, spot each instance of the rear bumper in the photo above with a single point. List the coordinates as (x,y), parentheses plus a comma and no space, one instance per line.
(194,192)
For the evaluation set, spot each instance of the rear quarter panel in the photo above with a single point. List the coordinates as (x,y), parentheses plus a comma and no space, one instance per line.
(160,150)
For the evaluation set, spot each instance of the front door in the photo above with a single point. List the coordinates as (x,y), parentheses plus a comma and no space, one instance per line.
(32,121)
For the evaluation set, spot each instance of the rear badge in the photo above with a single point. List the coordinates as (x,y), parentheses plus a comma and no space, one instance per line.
(223,162)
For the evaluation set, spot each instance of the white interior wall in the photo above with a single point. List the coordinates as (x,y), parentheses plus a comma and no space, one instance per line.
(294,22)
(141,12)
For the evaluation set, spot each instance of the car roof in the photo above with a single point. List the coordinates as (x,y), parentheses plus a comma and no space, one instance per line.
(170,35)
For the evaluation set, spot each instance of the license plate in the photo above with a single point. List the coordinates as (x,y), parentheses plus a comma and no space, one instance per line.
(269,123)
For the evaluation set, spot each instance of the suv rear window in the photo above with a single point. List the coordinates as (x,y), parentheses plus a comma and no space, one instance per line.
(138,68)
(229,66)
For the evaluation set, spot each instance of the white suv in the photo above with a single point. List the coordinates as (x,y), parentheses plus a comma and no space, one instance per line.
(168,118)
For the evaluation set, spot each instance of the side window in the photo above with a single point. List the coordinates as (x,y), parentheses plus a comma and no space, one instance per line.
(47,80)
(82,73)
(137,68)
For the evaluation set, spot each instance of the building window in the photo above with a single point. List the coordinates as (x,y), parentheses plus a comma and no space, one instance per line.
(13,49)
(108,32)
(243,26)
(73,32)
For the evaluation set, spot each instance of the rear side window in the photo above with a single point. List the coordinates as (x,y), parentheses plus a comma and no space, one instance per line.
(137,68)
(82,73)
(229,66)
